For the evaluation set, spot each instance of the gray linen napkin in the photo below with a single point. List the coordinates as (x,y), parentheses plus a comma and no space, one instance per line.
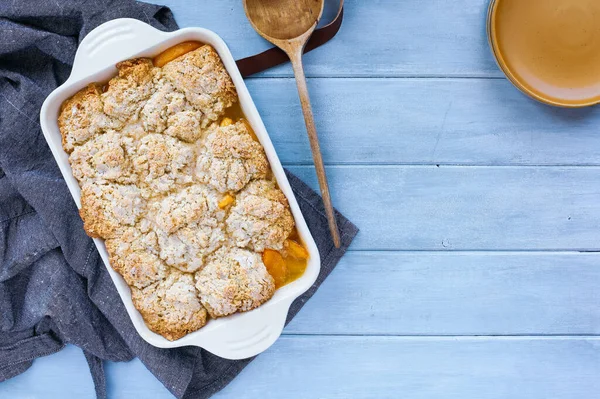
(54,288)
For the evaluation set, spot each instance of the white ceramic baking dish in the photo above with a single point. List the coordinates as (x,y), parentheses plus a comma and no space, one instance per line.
(235,337)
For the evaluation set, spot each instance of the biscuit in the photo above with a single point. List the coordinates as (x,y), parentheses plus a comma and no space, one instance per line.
(135,130)
(261,217)
(231,158)
(171,307)
(106,209)
(162,162)
(103,158)
(234,280)
(163,103)
(185,125)
(195,203)
(186,248)
(202,77)
(128,92)
(81,117)
(134,256)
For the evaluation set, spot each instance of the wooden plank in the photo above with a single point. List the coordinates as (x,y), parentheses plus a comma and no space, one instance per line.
(466,293)
(476,208)
(359,367)
(426,121)
(382,38)
(392,367)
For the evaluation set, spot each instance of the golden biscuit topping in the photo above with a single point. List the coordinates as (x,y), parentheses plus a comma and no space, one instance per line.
(261,217)
(234,280)
(231,158)
(181,200)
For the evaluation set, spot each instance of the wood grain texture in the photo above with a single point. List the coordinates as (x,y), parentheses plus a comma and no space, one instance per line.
(378,38)
(420,368)
(451,208)
(441,293)
(313,139)
(375,367)
(426,121)
(286,23)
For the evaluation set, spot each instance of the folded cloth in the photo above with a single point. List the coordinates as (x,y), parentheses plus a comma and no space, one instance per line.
(54,288)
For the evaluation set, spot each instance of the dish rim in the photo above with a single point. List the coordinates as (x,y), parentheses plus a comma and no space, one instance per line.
(238,336)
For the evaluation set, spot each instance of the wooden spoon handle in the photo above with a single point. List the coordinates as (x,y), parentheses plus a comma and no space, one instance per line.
(314,144)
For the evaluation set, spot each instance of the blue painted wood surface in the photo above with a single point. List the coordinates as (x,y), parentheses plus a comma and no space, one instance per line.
(476,273)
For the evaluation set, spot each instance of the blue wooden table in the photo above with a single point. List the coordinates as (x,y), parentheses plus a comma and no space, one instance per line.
(476,274)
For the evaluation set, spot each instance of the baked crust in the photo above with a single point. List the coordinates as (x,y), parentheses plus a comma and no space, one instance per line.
(202,78)
(261,217)
(171,307)
(231,158)
(81,117)
(103,158)
(107,209)
(134,255)
(162,163)
(192,204)
(234,280)
(128,92)
(173,193)
(187,248)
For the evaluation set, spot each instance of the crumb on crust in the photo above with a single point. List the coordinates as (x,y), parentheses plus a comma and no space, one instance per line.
(81,117)
(185,125)
(103,158)
(234,280)
(134,255)
(128,92)
(171,307)
(164,102)
(187,248)
(231,158)
(202,77)
(261,217)
(162,162)
(106,209)
(196,203)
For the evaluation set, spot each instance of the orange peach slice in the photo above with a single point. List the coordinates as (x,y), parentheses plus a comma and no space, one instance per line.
(226,122)
(173,52)
(295,250)
(226,201)
(275,266)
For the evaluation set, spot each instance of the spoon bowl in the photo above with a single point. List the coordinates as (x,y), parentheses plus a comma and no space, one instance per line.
(283,19)
(288,24)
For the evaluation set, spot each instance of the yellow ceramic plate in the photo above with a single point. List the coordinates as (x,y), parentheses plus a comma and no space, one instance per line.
(550,49)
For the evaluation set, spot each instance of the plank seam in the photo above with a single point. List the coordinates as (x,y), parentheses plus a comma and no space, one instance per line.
(435,165)
(381,77)
(441,164)
(558,251)
(508,337)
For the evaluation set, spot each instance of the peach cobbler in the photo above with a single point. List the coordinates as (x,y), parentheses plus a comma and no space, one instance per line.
(175,181)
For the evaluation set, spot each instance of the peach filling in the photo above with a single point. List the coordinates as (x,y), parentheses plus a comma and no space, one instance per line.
(173,52)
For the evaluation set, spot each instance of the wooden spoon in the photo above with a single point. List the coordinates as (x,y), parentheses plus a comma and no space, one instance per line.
(288,24)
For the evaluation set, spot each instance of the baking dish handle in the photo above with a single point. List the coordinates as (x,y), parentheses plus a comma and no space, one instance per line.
(110,43)
(245,338)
